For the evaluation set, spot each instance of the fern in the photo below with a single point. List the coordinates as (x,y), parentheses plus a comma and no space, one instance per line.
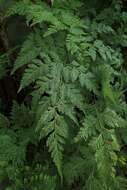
(4,122)
(11,152)
(67,124)
(26,55)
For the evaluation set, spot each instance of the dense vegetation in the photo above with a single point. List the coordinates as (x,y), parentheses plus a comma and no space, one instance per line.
(63,94)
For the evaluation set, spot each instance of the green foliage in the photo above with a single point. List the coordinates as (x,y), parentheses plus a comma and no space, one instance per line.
(67,127)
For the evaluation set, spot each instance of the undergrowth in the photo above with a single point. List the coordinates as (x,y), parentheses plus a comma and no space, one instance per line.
(65,127)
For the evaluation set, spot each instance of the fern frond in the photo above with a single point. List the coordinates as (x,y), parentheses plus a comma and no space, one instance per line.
(87,130)
(29,51)
(93,184)
(20,116)
(4,122)
(33,73)
(55,127)
(9,151)
(74,169)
